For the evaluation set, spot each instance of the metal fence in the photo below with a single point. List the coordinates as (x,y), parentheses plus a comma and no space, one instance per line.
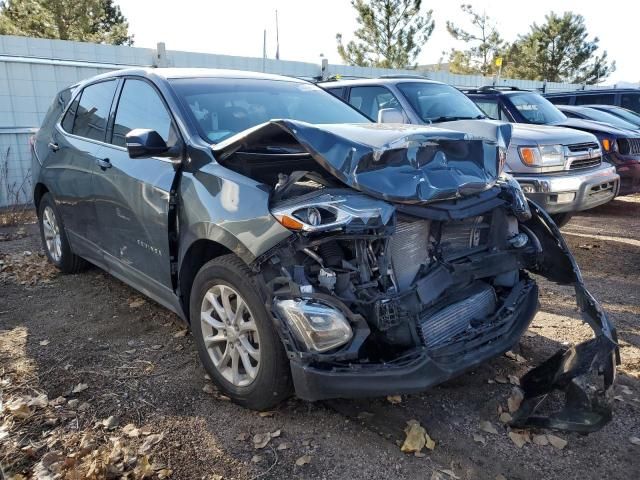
(33,70)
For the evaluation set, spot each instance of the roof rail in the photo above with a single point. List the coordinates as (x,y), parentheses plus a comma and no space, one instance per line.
(406,75)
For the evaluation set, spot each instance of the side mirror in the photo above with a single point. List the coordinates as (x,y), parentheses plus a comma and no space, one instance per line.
(390,115)
(142,143)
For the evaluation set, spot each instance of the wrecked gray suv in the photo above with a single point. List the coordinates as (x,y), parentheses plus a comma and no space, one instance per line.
(309,249)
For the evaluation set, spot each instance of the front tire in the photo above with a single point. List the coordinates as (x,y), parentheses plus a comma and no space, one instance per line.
(561,219)
(54,238)
(235,336)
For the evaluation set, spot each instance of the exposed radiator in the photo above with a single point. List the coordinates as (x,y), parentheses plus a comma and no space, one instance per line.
(459,236)
(440,327)
(409,250)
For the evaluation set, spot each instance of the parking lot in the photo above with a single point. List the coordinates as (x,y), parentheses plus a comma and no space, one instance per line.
(97,350)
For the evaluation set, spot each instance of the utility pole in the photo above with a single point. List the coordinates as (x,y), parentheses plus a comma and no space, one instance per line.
(277,38)
(264,50)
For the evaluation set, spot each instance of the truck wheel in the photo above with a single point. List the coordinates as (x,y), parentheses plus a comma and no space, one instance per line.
(235,336)
(54,238)
(562,219)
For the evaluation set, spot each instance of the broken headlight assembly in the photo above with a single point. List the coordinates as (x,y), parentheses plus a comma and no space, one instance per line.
(318,326)
(325,211)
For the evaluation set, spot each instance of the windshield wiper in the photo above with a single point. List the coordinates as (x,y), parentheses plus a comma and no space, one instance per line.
(446,118)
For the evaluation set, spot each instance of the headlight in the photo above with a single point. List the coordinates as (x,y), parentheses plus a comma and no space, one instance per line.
(331,211)
(542,156)
(319,326)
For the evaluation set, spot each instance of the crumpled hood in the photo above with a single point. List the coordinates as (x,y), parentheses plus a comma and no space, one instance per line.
(400,163)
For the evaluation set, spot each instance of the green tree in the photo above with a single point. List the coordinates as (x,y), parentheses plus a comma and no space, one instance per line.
(485,44)
(391,33)
(558,51)
(98,21)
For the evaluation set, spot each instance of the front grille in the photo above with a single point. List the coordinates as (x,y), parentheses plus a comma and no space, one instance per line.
(629,146)
(585,163)
(583,147)
(444,325)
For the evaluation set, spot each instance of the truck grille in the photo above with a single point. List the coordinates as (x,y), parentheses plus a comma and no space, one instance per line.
(584,155)
(629,146)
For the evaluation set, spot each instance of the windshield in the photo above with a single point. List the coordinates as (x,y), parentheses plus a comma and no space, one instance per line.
(436,102)
(600,116)
(222,107)
(536,109)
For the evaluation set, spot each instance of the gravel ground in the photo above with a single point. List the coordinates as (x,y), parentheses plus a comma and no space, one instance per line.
(109,353)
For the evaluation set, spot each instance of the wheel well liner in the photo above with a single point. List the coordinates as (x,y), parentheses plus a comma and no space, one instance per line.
(38,192)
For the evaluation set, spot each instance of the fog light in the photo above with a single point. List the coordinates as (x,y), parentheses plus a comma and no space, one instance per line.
(528,188)
(319,326)
(566,197)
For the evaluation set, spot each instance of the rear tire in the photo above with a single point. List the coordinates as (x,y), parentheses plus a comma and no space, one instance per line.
(54,238)
(561,219)
(230,323)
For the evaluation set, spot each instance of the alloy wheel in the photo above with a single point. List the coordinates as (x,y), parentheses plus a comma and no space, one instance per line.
(51,231)
(230,335)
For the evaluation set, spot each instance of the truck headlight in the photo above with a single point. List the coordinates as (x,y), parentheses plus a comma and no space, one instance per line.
(542,156)
(319,326)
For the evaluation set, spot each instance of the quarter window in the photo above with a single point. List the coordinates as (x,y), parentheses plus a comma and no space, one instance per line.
(596,99)
(140,106)
(93,110)
(370,100)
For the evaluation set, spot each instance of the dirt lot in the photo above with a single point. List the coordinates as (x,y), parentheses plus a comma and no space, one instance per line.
(98,350)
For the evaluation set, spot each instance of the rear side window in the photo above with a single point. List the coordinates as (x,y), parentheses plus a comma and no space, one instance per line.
(336,91)
(140,106)
(370,100)
(93,110)
(596,99)
(560,100)
(631,101)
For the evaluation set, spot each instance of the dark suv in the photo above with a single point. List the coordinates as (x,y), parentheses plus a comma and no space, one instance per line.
(622,97)
(620,147)
(307,247)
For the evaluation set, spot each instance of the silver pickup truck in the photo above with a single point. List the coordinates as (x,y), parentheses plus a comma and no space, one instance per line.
(559,168)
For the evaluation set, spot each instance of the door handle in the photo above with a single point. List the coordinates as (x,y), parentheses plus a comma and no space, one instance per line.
(103,163)
(54,146)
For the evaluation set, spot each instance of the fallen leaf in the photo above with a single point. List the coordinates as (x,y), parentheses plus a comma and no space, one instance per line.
(283,446)
(557,442)
(515,400)
(501,379)
(450,473)
(131,431)
(488,427)
(515,356)
(479,438)
(143,468)
(44,343)
(634,440)
(208,388)
(156,347)
(419,454)
(241,437)
(84,407)
(81,387)
(180,334)
(266,414)
(150,442)
(19,408)
(256,459)
(514,380)
(519,438)
(40,401)
(110,423)
(429,442)
(415,440)
(260,440)
(505,417)
(137,303)
(626,390)
(275,434)
(540,440)
(303,460)
(394,399)
(73,403)
(164,473)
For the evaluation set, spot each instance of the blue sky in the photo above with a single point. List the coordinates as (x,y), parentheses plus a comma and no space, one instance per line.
(308,27)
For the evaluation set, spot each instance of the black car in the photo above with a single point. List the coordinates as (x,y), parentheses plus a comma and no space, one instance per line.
(621,147)
(588,113)
(622,97)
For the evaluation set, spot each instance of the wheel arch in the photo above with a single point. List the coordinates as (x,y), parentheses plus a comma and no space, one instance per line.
(38,192)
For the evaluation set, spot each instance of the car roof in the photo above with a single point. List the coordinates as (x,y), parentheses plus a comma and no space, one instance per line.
(169,73)
(374,81)
(595,91)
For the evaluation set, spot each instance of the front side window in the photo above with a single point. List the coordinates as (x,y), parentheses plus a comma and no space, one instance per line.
(436,102)
(630,101)
(489,107)
(596,99)
(93,110)
(140,106)
(371,99)
(536,109)
(222,107)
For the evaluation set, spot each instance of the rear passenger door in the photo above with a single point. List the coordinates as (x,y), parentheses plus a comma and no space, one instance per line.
(373,98)
(132,195)
(77,144)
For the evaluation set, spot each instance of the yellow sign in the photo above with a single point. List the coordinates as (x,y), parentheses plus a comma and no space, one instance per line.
(499,62)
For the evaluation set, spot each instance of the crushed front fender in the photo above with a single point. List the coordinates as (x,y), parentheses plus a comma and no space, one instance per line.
(585,373)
